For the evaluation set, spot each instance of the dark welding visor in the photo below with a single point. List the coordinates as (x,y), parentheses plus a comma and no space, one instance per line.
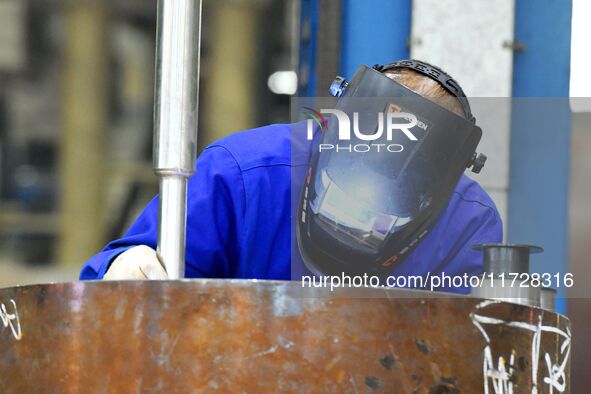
(380,176)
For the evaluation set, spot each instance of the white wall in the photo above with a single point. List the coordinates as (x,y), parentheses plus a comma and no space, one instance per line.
(469,40)
(580,71)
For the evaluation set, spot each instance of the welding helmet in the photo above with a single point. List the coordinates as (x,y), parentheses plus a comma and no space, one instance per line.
(382,172)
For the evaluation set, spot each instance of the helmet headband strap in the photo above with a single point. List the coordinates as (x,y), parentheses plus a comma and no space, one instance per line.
(444,79)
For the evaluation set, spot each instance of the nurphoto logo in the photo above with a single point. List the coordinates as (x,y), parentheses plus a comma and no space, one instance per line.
(389,122)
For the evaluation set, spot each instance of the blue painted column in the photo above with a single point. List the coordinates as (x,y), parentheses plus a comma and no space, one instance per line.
(540,136)
(374,31)
(307,47)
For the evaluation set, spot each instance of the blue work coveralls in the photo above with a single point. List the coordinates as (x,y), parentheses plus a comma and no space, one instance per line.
(239,211)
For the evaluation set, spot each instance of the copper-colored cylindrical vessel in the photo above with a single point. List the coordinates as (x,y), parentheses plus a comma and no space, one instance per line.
(234,336)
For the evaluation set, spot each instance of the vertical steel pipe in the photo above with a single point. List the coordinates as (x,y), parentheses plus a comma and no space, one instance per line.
(178,39)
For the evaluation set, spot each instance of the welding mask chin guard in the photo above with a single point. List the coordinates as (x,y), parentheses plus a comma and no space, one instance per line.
(367,202)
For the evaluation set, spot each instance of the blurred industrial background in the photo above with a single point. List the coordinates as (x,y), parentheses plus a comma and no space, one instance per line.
(76,96)
(76,102)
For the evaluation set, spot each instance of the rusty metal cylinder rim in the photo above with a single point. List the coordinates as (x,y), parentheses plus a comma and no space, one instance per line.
(259,336)
(294,287)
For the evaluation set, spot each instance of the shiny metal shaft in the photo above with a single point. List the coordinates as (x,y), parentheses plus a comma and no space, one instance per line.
(172,207)
(175,122)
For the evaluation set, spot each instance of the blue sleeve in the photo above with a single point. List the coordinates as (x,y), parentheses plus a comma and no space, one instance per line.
(215,212)
(476,223)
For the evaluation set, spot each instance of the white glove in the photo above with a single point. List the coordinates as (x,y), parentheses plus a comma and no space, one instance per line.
(139,262)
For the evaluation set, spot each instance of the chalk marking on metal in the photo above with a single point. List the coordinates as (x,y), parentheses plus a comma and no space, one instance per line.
(500,377)
(9,320)
(272,349)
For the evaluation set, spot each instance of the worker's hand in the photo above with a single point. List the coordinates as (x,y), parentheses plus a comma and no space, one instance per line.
(139,262)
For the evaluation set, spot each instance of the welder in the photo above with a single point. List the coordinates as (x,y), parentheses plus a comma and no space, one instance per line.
(421,217)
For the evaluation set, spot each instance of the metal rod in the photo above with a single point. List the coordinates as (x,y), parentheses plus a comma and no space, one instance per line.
(172,223)
(176,96)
